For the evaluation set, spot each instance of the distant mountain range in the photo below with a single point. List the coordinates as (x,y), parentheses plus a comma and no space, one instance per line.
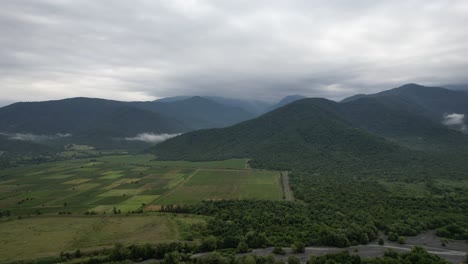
(410,117)
(115,124)
(387,125)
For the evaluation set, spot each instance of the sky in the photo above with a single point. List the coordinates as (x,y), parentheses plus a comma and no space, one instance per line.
(264,50)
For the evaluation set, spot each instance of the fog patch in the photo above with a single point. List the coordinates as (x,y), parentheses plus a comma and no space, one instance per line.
(152,138)
(456,121)
(36,138)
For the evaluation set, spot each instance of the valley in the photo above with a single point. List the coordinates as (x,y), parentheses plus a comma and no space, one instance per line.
(311,173)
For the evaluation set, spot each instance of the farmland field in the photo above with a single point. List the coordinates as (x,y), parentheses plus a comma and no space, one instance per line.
(66,201)
(225,184)
(68,233)
(128,184)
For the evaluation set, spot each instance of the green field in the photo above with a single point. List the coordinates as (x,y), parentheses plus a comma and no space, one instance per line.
(129,183)
(65,202)
(44,236)
(225,184)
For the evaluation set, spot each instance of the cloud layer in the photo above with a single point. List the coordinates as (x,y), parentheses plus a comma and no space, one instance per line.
(151,138)
(36,138)
(141,50)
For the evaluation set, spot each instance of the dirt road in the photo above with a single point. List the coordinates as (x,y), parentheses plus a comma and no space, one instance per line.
(288,194)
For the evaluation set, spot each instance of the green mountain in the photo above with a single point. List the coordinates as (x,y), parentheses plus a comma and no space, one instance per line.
(403,122)
(307,132)
(84,116)
(433,102)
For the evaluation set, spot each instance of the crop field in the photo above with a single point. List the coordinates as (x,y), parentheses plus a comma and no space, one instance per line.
(128,184)
(45,236)
(225,184)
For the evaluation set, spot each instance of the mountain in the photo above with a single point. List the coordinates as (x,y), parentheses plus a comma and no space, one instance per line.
(86,119)
(255,107)
(457,87)
(352,98)
(432,102)
(197,112)
(286,100)
(172,99)
(401,121)
(303,132)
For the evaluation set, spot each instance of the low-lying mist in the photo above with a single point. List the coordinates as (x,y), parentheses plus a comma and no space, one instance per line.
(455,120)
(34,137)
(151,137)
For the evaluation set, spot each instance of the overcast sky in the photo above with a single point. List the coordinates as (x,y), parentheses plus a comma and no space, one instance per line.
(143,50)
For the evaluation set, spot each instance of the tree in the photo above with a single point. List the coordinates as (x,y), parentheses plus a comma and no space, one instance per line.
(298,247)
(78,253)
(209,244)
(364,239)
(392,236)
(381,241)
(247,260)
(401,240)
(279,251)
(119,253)
(293,260)
(172,258)
(242,247)
(214,258)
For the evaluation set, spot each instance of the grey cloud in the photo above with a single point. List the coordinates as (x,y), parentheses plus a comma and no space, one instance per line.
(455,120)
(142,50)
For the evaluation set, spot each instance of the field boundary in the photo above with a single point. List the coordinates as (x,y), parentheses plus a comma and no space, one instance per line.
(178,185)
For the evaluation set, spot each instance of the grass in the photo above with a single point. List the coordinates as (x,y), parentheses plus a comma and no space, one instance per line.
(44,236)
(225,184)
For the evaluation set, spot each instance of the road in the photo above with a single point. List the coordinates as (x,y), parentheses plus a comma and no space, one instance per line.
(288,194)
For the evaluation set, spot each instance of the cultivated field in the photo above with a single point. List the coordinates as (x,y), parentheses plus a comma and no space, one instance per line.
(128,184)
(225,184)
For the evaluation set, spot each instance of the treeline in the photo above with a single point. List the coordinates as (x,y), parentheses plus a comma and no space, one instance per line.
(174,253)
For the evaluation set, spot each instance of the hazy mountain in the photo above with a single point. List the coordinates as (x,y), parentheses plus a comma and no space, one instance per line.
(255,107)
(301,132)
(286,100)
(400,121)
(197,112)
(172,99)
(352,98)
(84,116)
(433,102)
(457,87)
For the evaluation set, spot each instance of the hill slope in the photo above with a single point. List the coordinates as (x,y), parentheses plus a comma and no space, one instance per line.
(433,102)
(401,121)
(304,132)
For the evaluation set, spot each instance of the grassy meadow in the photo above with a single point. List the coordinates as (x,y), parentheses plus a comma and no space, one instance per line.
(48,235)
